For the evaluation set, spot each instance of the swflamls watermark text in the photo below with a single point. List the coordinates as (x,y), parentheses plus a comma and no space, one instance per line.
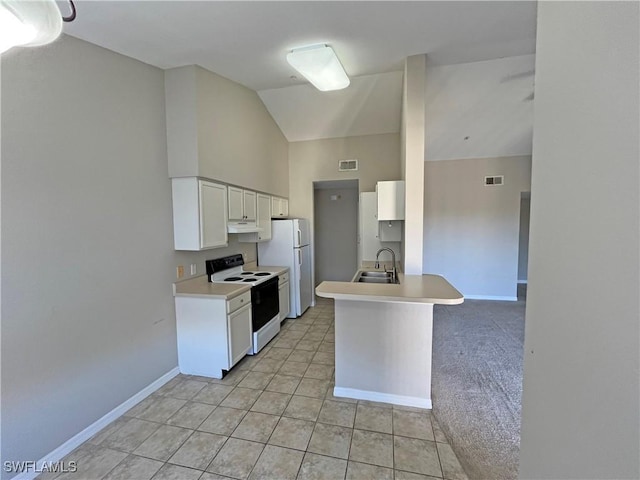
(32,466)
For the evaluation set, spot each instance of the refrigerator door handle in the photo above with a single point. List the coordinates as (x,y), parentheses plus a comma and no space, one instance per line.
(299,257)
(299,238)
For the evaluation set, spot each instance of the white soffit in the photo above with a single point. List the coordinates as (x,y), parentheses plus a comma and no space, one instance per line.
(370,105)
(489,102)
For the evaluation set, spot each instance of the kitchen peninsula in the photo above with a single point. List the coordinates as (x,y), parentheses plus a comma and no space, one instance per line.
(384,335)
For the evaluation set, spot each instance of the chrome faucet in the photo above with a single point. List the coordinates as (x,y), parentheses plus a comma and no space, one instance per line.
(394,272)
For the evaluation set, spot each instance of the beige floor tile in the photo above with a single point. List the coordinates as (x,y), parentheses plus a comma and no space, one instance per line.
(417,456)
(134,467)
(303,356)
(256,380)
(163,443)
(94,463)
(268,365)
(310,345)
(234,377)
(198,451)
(186,389)
(292,433)
(170,384)
(331,396)
(400,475)
(375,404)
(131,435)
(363,471)
(329,337)
(283,384)
(191,415)
(330,440)
(374,418)
(304,408)
(212,476)
(293,335)
(412,424)
(103,434)
(325,358)
(222,421)
(319,467)
(285,343)
(337,413)
(236,458)
(161,409)
(451,468)
(247,363)
(312,387)
(319,371)
(279,353)
(242,398)
(140,407)
(175,472)
(438,433)
(256,427)
(372,447)
(328,347)
(314,336)
(295,369)
(277,463)
(213,394)
(271,402)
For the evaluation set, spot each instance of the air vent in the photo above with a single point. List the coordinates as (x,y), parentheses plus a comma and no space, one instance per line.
(347,165)
(494,181)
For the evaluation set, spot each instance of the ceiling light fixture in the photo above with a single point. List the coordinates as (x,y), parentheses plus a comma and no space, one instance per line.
(320,65)
(30,23)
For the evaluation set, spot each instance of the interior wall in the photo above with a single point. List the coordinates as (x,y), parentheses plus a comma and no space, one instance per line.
(235,139)
(336,233)
(523,238)
(580,404)
(471,232)
(87,255)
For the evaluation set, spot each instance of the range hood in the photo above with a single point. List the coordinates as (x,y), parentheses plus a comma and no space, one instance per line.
(243,227)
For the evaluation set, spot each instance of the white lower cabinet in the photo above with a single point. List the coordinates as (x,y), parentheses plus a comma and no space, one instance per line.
(213,333)
(283,295)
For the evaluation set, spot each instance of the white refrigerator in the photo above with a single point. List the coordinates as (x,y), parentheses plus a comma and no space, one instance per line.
(289,247)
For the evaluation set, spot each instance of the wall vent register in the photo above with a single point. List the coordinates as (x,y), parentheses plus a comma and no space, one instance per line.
(494,181)
(347,165)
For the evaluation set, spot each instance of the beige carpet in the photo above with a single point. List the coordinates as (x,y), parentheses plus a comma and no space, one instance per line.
(477,383)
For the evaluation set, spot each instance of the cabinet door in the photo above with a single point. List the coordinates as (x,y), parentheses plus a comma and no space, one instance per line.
(264,217)
(240,340)
(213,215)
(390,200)
(236,212)
(249,204)
(275,207)
(283,298)
(284,207)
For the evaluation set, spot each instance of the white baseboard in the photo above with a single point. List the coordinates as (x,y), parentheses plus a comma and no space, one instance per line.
(74,442)
(382,397)
(491,297)
(522,282)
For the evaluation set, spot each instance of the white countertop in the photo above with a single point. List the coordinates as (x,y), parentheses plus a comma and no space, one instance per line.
(200,287)
(412,289)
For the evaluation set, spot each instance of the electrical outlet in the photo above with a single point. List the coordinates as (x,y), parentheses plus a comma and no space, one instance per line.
(180,271)
(193,269)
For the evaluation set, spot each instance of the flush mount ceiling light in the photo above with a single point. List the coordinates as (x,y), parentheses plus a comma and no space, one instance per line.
(30,23)
(320,65)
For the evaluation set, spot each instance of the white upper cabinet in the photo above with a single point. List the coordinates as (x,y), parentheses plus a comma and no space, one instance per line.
(279,207)
(242,205)
(199,214)
(390,200)
(263,221)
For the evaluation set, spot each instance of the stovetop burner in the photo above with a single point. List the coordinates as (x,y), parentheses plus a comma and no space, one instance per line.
(246,273)
(262,274)
(233,279)
(249,280)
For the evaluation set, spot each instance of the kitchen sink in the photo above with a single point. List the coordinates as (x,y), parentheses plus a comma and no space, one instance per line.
(374,277)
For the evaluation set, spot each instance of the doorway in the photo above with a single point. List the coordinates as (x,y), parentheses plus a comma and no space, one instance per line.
(523,244)
(335,229)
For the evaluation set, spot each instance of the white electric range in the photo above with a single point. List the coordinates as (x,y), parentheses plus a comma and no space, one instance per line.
(265,308)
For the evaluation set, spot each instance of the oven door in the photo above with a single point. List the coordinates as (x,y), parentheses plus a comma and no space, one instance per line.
(264,303)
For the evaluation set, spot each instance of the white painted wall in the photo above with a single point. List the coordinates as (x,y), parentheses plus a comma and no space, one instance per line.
(488,102)
(370,106)
(413,134)
(471,232)
(235,139)
(335,233)
(581,405)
